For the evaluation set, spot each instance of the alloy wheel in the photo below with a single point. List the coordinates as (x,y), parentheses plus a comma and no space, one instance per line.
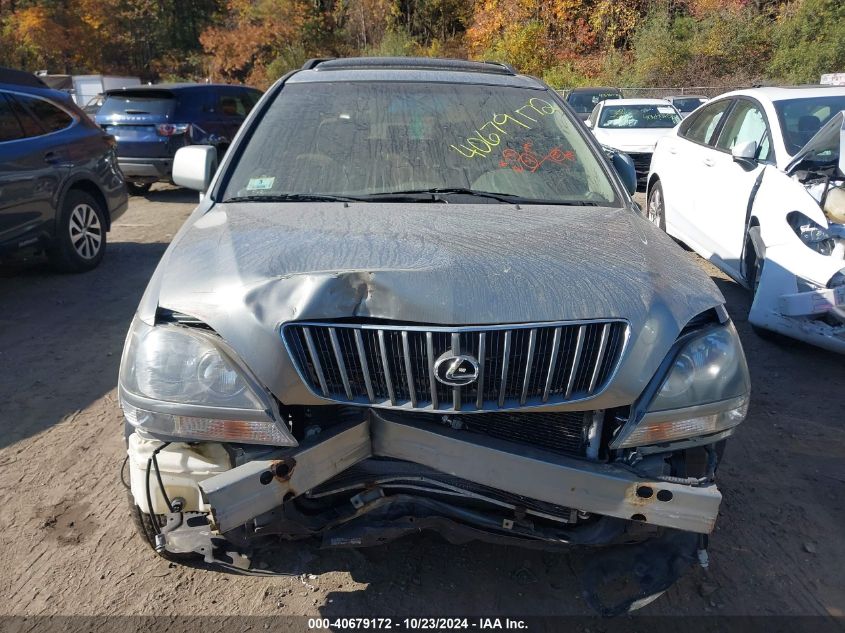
(654,209)
(86,231)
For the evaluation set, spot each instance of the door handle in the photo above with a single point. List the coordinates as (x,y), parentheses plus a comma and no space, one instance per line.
(708,161)
(673,149)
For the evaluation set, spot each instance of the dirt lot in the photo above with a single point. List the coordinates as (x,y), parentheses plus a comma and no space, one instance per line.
(71,548)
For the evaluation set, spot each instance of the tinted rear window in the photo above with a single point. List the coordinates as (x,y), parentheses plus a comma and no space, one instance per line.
(586,101)
(139,103)
(10,129)
(688,104)
(30,126)
(52,119)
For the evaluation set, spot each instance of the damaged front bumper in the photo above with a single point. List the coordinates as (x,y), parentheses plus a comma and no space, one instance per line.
(815,315)
(380,467)
(240,495)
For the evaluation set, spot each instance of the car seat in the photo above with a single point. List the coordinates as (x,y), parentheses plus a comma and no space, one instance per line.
(229,106)
(808,125)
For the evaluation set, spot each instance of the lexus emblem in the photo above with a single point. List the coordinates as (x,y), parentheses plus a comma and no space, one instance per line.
(456,370)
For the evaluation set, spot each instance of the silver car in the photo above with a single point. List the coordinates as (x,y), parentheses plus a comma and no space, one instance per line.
(417,296)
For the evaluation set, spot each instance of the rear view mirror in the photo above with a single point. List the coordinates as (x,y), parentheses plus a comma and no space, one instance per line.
(745,154)
(624,166)
(194,166)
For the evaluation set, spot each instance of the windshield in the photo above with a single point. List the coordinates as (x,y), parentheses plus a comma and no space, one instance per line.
(639,116)
(360,139)
(800,119)
(584,102)
(687,104)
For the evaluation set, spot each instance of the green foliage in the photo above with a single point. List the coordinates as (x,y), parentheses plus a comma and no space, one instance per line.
(524,47)
(567,42)
(677,50)
(809,41)
(396,42)
(289,58)
(566,76)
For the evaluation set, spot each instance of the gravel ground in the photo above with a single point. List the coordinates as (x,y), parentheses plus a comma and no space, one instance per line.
(69,541)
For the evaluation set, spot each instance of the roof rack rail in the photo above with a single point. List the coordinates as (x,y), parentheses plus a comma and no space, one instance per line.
(408,63)
(20,78)
(507,67)
(314,62)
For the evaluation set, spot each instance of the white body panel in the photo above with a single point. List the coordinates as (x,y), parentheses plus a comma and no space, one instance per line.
(710,199)
(638,140)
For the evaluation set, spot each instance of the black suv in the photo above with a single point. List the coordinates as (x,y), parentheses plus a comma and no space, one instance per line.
(60,186)
(583,100)
(151,122)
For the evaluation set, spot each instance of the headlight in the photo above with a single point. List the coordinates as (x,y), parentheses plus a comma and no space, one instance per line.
(705,391)
(811,233)
(204,428)
(183,383)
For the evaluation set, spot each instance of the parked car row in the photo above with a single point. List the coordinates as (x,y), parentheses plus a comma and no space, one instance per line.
(150,123)
(754,181)
(64,178)
(60,184)
(633,126)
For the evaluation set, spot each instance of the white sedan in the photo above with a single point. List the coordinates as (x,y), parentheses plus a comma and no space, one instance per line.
(633,126)
(755,182)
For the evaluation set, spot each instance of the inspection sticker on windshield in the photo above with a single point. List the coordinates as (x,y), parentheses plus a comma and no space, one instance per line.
(665,110)
(258,184)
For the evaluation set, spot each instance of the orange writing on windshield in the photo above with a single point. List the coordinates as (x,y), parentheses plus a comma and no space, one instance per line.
(529,160)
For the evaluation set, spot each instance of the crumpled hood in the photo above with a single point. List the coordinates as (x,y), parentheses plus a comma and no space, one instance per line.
(631,140)
(245,269)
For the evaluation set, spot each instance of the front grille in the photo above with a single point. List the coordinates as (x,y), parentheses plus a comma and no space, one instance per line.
(563,432)
(518,366)
(642,163)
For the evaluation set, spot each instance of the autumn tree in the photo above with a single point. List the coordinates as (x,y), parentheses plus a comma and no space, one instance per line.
(809,40)
(253,35)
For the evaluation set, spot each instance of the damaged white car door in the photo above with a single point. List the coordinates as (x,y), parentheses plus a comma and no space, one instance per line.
(799,275)
(732,169)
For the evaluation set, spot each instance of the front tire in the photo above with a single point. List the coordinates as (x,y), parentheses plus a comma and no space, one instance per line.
(656,206)
(80,241)
(146,530)
(138,188)
(755,273)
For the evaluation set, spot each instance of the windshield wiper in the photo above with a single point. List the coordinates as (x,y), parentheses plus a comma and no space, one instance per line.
(294,197)
(436,194)
(412,195)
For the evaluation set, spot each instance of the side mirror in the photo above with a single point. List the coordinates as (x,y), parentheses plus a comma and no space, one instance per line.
(745,154)
(194,166)
(624,166)
(588,123)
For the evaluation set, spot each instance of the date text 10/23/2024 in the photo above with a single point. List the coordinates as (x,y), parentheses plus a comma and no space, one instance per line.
(418,624)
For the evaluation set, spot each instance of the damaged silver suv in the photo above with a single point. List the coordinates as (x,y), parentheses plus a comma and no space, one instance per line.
(416,295)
